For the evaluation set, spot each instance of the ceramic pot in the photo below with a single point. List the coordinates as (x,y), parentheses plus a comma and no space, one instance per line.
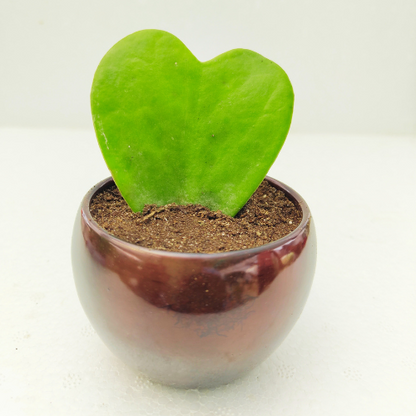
(192,320)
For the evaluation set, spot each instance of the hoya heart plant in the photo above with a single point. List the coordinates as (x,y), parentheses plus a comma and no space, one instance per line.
(173,129)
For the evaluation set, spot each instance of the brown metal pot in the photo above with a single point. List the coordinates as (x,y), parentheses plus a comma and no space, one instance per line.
(192,320)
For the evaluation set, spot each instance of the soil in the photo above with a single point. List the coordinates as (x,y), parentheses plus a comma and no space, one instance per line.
(268,216)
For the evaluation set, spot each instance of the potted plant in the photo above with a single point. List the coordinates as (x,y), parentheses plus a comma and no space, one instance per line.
(174,130)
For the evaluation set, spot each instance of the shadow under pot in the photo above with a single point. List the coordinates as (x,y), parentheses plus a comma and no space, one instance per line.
(192,320)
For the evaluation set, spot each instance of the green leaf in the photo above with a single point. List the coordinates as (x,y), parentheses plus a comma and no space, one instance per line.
(174,129)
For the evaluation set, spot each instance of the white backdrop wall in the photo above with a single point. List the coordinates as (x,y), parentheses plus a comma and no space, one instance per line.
(352,63)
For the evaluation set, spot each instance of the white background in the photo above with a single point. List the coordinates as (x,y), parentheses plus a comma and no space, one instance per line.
(352,63)
(351,154)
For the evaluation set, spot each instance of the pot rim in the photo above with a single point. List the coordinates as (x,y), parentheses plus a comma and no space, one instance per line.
(292,194)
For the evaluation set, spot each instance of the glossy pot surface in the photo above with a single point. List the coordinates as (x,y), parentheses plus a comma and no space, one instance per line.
(192,320)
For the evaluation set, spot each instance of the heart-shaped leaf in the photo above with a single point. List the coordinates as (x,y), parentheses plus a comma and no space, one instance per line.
(174,129)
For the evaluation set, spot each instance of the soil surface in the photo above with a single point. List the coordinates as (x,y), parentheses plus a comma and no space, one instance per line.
(266,217)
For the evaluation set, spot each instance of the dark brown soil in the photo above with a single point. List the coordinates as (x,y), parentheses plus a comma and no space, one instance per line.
(267,216)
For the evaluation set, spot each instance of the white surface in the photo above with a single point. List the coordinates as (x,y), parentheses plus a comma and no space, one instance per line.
(352,63)
(351,353)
